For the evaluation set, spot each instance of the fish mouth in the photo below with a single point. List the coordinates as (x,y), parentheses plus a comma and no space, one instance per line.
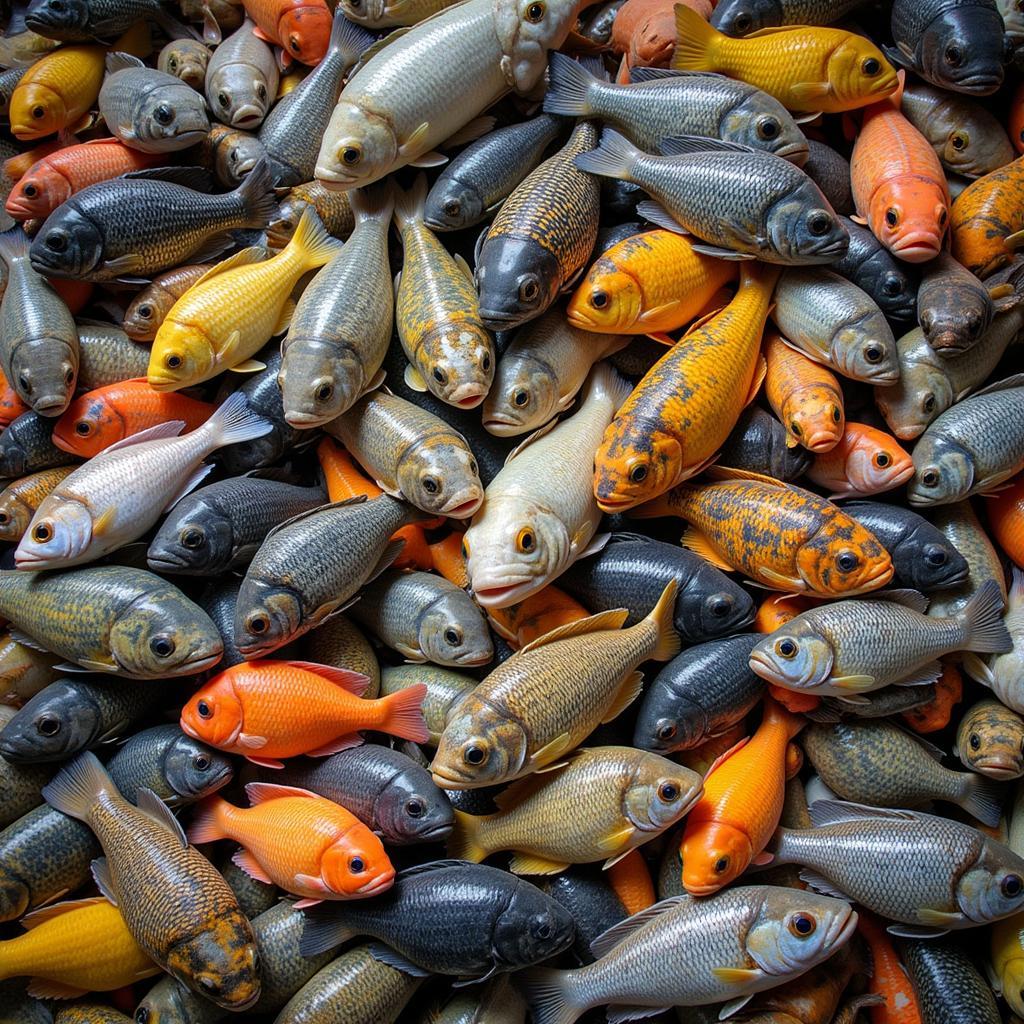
(30,560)
(62,444)
(245,167)
(760,660)
(377,886)
(198,664)
(800,149)
(161,383)
(501,426)
(464,509)
(56,403)
(188,730)
(18,210)
(960,576)
(185,139)
(497,320)
(579,318)
(917,246)
(303,419)
(901,477)
(246,116)
(613,505)
(476,659)
(1001,768)
(980,83)
(885,379)
(701,890)
(822,441)
(468,395)
(503,595)
(834,248)
(841,930)
(251,1001)
(443,781)
(165,563)
(882,576)
(435,834)
(335,181)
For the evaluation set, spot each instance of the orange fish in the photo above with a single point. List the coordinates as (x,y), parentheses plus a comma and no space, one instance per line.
(1015,126)
(743,793)
(96,420)
(11,406)
(76,294)
(301,28)
(987,219)
(805,396)
(306,844)
(644,32)
(15,167)
(547,609)
(778,609)
(935,715)
(447,558)
(631,881)
(664,434)
(54,178)
(265,710)
(866,461)
(899,187)
(888,977)
(1006,519)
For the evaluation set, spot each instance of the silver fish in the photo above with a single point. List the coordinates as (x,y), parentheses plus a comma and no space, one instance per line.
(1003,674)
(186,59)
(241,81)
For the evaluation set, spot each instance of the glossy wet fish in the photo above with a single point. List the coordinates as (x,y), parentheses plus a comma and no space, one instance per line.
(230,154)
(744,17)
(1001,673)
(301,28)
(830,171)
(24,670)
(870,266)
(241,81)
(56,91)
(866,461)
(186,59)
(445,689)
(77,20)
(948,986)
(759,444)
(19,500)
(985,221)
(990,740)
(341,644)
(106,355)
(953,307)
(333,208)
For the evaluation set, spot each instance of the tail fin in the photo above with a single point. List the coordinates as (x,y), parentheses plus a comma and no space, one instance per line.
(1016,586)
(776,714)
(405,715)
(464,842)
(13,243)
(569,85)
(206,823)
(605,381)
(615,157)
(375,203)
(77,787)
(981,797)
(234,421)
(322,930)
(409,205)
(312,242)
(983,621)
(257,195)
(694,39)
(549,993)
(662,616)
(348,38)
(754,274)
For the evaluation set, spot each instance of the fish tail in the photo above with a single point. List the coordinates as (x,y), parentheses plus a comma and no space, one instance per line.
(322,931)
(982,621)
(605,380)
(13,243)
(257,195)
(615,157)
(980,797)
(374,203)
(76,788)
(694,39)
(464,842)
(550,995)
(409,206)
(312,241)
(404,714)
(662,617)
(207,826)
(234,421)
(755,274)
(569,85)
(348,37)
(777,715)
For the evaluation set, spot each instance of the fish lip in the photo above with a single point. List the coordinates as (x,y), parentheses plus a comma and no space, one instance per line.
(957,577)
(497,420)
(29,560)
(459,511)
(163,563)
(835,248)
(302,419)
(246,116)
(434,834)
(62,444)
(764,662)
(468,395)
(379,885)
(443,781)
(843,932)
(489,597)
(199,664)
(194,137)
(245,167)
(979,82)
(613,505)
(794,147)
(998,767)
(188,730)
(815,442)
(702,890)
(884,574)
(901,477)
(497,320)
(251,1001)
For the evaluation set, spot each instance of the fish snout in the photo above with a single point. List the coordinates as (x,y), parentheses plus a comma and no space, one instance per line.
(248,115)
(917,246)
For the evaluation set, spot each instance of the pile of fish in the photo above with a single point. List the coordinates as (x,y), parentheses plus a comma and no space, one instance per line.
(512,510)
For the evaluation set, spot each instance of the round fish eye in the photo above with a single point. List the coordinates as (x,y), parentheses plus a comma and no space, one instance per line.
(720,606)
(351,155)
(871,66)
(48,725)
(69,376)
(520,397)
(535,12)
(39,112)
(768,128)
(891,286)
(599,299)
(943,217)
(162,646)
(414,808)
(201,762)
(836,414)
(525,540)
(1011,886)
(204,709)
(485,363)
(224,99)
(164,114)
(819,223)
(543,930)
(934,555)
(529,290)
(439,375)
(929,403)
(742,22)
(30,190)
(192,538)
(172,360)
(452,208)
(959,141)
(145,311)
(883,459)
(42,532)
(294,43)
(142,1015)
(975,741)
(261,91)
(172,63)
(257,624)
(430,485)
(25,384)
(474,754)
(638,474)
(452,636)
(666,730)
(83,428)
(847,561)
(796,429)
(802,925)
(721,865)
(954,55)
(785,648)
(668,792)
(357,865)
(873,352)
(930,478)
(57,241)
(4,518)
(892,216)
(324,391)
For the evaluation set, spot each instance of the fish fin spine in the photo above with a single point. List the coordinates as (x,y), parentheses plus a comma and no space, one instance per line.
(234,421)
(695,41)
(409,205)
(983,621)
(568,88)
(312,242)
(550,995)
(981,797)
(78,786)
(206,824)
(662,617)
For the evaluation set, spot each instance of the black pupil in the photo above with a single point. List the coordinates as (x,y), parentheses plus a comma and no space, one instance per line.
(161,646)
(202,763)
(871,66)
(323,392)
(666,732)
(1012,885)
(930,478)
(954,56)
(451,637)
(350,156)
(847,562)
(669,792)
(49,726)
(599,300)
(721,864)
(720,606)
(56,241)
(163,114)
(82,428)
(787,647)
(959,142)
(891,217)
(975,741)
(439,375)
(145,312)
(42,532)
(357,865)
(474,755)
(30,191)
(452,207)
(770,129)
(430,485)
(527,541)
(415,808)
(543,931)
(819,224)
(203,708)
(192,538)
(174,362)
(803,925)
(891,286)
(520,398)
(883,460)
(873,353)
(638,473)
(258,625)
(937,557)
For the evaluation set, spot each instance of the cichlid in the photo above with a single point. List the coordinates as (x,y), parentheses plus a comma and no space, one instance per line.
(301,28)
(230,154)
(954,308)
(960,526)
(870,266)
(73,20)
(19,500)
(445,689)
(990,740)
(241,81)
(22,786)
(745,17)
(187,59)
(866,461)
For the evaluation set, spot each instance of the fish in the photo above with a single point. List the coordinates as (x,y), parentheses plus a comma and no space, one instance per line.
(22,785)
(804,544)
(959,47)
(758,444)
(230,154)
(644,33)
(341,328)
(437,314)
(500,1001)
(445,689)
(489,50)
(866,461)
(1007,959)
(533,525)
(899,187)
(805,396)
(333,208)
(1002,672)
(106,355)
(300,27)
(535,247)
(11,406)
(23,49)
(729,960)
(26,447)
(386,790)
(699,694)
(989,740)
(529,711)
(139,226)
(954,308)
(150,306)
(250,709)
(649,283)
(241,81)
(424,618)
(56,92)
(985,223)
(659,437)
(874,761)
(834,650)
(308,845)
(870,266)
(71,715)
(815,70)
(889,977)
(195,931)
(150,110)
(24,670)
(411,453)
(75,947)
(111,619)
(585,891)
(924,559)
(91,512)
(39,348)
(215,16)
(835,323)
(476,181)
(606,802)
(19,500)
(219,528)
(54,178)
(292,130)
(631,572)
(541,371)
(970,448)
(745,17)
(391,13)
(772,211)
(187,59)
(339,642)
(77,20)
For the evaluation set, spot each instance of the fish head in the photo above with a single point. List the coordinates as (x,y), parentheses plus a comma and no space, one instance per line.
(238,96)
(814,417)
(237,154)
(220,962)
(146,313)
(369,12)
(634,464)
(215,714)
(200,539)
(267,616)
(37,193)
(36,111)
(890,286)
(910,219)
(804,228)
(710,604)
(843,558)
(67,19)
(876,463)
(865,350)
(181,354)
(714,854)
(669,720)
(43,373)
(741,17)
(88,425)
(609,299)
(973,153)
(194,770)
(411,809)
(186,59)
(442,477)
(517,279)
(282,227)
(989,741)
(15,515)
(796,656)
(356,866)
(918,397)
(760,121)
(526,30)
(54,725)
(319,381)
(167,1002)
(927,563)
(479,747)
(68,244)
(170,115)
(659,794)
(795,930)
(59,534)
(305,32)
(943,471)
(461,363)
(452,204)
(14,894)
(992,886)
(453,632)
(524,396)
(359,147)
(958,322)
(858,72)
(964,49)
(532,927)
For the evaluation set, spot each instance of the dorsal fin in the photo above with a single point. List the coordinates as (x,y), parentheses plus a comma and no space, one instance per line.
(262,792)
(242,258)
(354,682)
(608,940)
(358,499)
(158,432)
(611,619)
(1014,381)
(44,914)
(151,805)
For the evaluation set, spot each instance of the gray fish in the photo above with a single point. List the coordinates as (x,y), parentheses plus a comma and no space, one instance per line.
(445,689)
(218,600)
(241,81)
(9,80)
(230,154)
(584,891)
(953,307)
(949,988)
(81,20)
(870,266)
(150,110)
(106,355)
(20,786)
(742,17)
(254,896)
(497,1002)
(830,171)
(341,644)
(186,59)
(26,446)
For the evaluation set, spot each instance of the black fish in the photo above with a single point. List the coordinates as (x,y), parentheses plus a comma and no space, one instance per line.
(869,265)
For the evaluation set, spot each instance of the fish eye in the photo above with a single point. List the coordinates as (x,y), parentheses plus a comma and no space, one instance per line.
(355,4)
(892,216)
(535,12)
(720,606)
(959,140)
(721,865)
(768,128)
(261,91)
(430,485)
(357,865)
(930,478)
(192,538)
(485,363)
(351,155)
(525,540)
(975,741)
(873,352)
(25,384)
(935,555)
(204,709)
(638,474)
(294,43)
(162,646)
(164,114)
(48,725)
(83,428)
(802,925)
(668,791)
(223,99)
(474,754)
(796,428)
(847,561)
(439,375)
(4,518)
(521,397)
(465,548)
(473,467)
(785,648)
(145,311)
(819,223)
(257,623)
(452,208)
(452,636)
(30,190)
(414,808)
(39,112)
(943,217)
(929,403)
(201,762)
(172,360)
(529,289)
(1011,885)
(599,299)
(42,532)
(57,240)
(891,286)
(836,414)
(883,459)
(666,729)
(142,1015)
(871,66)
(69,376)
(954,55)
(324,391)
(742,22)
(172,63)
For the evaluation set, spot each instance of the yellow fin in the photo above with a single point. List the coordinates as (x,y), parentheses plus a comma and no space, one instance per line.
(628,692)
(1000,291)
(699,544)
(531,864)
(242,258)
(463,843)
(550,751)
(694,36)
(854,683)
(614,840)
(249,366)
(789,583)
(611,619)
(46,988)
(464,267)
(720,472)
(662,617)
(44,914)
(105,521)
(810,93)
(939,918)
(414,379)
(414,141)
(735,975)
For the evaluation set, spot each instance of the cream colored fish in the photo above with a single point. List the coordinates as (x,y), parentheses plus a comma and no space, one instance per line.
(539,513)
(234,309)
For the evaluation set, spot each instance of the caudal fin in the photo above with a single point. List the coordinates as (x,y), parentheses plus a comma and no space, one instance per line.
(982,620)
(662,616)
(981,798)
(615,157)
(409,206)
(606,382)
(694,39)
(206,823)
(234,421)
(464,842)
(348,38)
(13,243)
(257,195)
(323,931)
(312,242)
(549,993)
(374,203)
(569,85)
(77,787)
(405,714)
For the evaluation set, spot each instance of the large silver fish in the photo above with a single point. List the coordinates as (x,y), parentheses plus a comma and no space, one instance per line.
(241,81)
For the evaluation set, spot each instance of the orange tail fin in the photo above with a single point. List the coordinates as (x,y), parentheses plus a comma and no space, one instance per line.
(207,824)
(405,716)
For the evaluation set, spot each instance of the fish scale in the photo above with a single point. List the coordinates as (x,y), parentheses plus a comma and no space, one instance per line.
(949,988)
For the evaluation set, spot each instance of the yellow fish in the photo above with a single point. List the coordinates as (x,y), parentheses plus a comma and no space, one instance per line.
(820,70)
(234,309)
(75,947)
(1007,957)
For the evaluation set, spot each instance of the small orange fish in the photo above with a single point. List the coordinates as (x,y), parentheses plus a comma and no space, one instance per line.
(778,609)
(740,809)
(1006,519)
(265,710)
(547,609)
(11,406)
(644,32)
(866,461)
(631,881)
(96,420)
(987,219)
(899,187)
(301,28)
(306,844)
(888,977)
(935,715)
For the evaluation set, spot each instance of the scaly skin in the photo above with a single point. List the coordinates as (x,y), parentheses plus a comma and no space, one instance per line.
(989,740)
(66,83)
(445,689)
(986,218)
(162,293)
(20,500)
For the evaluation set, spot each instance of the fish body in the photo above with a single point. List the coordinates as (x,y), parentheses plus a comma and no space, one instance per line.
(989,740)
(866,461)
(744,17)
(830,171)
(759,444)
(26,446)
(302,28)
(19,500)
(985,220)
(445,689)
(948,986)
(187,59)
(78,20)
(230,154)
(22,788)
(392,13)
(644,32)
(333,208)
(889,977)
(106,355)
(24,671)
(1002,673)
(241,80)
(340,643)
(1007,958)
(953,307)
(61,86)
(870,266)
